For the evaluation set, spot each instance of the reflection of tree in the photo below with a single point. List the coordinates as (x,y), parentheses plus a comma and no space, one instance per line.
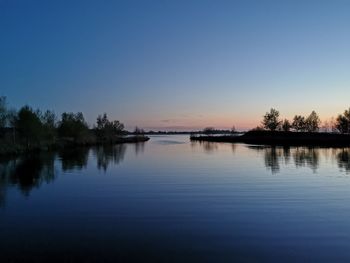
(74,158)
(26,173)
(233,147)
(306,157)
(343,159)
(31,171)
(139,147)
(271,157)
(275,155)
(303,156)
(208,147)
(6,167)
(286,154)
(108,154)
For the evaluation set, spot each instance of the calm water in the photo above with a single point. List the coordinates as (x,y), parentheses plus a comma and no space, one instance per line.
(169,200)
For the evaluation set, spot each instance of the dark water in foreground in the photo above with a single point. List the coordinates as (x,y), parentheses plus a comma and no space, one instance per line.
(172,201)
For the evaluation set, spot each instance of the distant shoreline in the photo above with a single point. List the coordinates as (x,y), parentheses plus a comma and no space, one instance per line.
(281,138)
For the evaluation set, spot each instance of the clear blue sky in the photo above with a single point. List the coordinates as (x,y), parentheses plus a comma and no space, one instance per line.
(177,64)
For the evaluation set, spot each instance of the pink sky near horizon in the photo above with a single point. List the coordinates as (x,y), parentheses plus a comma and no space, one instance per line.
(219,122)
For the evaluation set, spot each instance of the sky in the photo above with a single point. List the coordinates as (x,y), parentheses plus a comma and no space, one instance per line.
(177,65)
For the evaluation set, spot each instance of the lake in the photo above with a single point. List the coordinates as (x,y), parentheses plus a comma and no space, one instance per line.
(170,200)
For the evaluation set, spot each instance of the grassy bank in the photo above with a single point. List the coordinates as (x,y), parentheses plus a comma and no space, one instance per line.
(282,138)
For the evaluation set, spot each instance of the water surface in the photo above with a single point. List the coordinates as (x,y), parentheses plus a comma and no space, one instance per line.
(170,200)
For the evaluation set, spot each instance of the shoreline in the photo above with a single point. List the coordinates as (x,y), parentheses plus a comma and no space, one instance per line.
(281,138)
(15,150)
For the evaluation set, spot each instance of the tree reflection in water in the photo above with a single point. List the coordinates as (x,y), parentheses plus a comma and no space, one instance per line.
(74,158)
(139,147)
(208,147)
(105,155)
(6,168)
(309,157)
(274,156)
(271,158)
(343,159)
(26,173)
(31,171)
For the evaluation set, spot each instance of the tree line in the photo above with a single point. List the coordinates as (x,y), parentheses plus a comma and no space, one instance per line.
(34,128)
(311,123)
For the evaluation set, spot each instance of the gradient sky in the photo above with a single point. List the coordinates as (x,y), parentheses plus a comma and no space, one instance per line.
(177,64)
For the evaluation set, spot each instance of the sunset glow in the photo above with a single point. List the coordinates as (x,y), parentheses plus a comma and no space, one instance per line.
(177,65)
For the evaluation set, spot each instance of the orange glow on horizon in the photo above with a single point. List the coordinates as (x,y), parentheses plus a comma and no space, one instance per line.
(218,122)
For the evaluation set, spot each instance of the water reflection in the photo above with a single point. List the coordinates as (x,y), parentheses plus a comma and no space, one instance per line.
(275,156)
(74,159)
(208,147)
(343,158)
(307,157)
(271,158)
(111,154)
(31,171)
(139,147)
(26,173)
(6,167)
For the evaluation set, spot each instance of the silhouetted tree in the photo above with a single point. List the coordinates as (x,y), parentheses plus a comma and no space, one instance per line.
(326,126)
(333,125)
(286,125)
(139,131)
(208,130)
(233,129)
(106,129)
(29,126)
(3,112)
(257,128)
(312,122)
(12,118)
(72,125)
(271,120)
(48,120)
(299,123)
(343,122)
